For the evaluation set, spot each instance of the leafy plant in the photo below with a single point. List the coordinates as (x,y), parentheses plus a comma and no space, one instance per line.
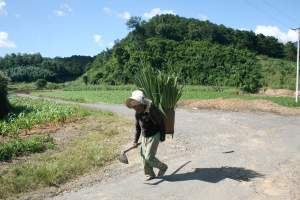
(19,147)
(41,83)
(170,90)
(27,113)
(162,89)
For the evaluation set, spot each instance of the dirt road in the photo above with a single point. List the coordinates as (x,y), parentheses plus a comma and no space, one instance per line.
(214,155)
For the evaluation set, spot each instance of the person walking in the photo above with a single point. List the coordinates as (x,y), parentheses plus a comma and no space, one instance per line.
(149,124)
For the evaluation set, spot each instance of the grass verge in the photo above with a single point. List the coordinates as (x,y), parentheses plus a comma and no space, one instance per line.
(21,147)
(119,95)
(96,145)
(28,113)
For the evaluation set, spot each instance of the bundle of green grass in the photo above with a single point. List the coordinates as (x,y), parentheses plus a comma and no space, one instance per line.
(163,90)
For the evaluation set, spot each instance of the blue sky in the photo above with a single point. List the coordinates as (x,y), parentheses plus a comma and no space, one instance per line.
(73,27)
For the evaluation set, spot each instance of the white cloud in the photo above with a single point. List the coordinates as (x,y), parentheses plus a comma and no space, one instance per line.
(157,11)
(277,33)
(59,13)
(2,7)
(63,10)
(203,17)
(125,15)
(5,42)
(107,10)
(98,39)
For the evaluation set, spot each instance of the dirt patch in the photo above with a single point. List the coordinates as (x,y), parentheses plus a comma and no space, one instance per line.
(277,92)
(283,183)
(240,105)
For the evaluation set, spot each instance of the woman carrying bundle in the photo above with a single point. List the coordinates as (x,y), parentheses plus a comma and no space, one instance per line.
(149,124)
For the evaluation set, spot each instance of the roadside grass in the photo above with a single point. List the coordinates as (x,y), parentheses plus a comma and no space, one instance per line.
(118,94)
(91,96)
(28,113)
(95,147)
(20,147)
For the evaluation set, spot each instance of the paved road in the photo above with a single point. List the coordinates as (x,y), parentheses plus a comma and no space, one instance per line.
(214,155)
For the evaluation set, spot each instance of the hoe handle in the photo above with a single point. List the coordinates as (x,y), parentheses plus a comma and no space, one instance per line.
(130,148)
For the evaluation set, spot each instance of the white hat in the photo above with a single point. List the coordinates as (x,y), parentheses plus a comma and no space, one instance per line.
(137,97)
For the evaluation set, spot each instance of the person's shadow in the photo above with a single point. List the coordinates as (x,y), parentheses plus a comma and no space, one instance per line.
(214,175)
(211,175)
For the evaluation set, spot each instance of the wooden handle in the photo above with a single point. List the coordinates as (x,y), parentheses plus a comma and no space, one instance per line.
(130,148)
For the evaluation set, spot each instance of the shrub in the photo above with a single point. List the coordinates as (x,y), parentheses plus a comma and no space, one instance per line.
(4,103)
(41,83)
(85,79)
(19,147)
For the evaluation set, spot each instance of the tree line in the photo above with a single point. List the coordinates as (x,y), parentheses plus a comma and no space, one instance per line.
(31,67)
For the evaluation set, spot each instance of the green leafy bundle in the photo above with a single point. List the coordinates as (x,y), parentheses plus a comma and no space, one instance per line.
(162,89)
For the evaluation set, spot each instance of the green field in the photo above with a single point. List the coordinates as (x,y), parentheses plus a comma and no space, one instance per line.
(118,95)
(53,163)
(28,113)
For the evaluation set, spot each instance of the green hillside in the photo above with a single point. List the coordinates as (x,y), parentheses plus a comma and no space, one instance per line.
(200,52)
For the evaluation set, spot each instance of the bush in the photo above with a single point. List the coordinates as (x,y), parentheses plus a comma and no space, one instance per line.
(85,79)
(41,83)
(4,103)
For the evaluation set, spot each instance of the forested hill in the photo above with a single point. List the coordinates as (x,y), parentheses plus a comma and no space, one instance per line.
(180,29)
(30,67)
(199,51)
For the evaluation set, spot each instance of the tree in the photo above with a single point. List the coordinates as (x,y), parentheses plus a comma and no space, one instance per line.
(4,103)
(134,22)
(41,83)
(290,51)
(85,79)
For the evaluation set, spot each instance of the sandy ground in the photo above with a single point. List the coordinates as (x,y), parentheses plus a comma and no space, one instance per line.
(239,105)
(214,155)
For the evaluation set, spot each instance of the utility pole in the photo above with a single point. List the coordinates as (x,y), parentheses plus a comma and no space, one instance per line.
(297,76)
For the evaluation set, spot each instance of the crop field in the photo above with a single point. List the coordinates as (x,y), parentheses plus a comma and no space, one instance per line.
(28,113)
(30,160)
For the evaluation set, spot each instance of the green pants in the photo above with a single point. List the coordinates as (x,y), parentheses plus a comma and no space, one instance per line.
(147,151)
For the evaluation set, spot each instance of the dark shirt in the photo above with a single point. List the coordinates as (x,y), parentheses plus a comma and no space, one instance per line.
(149,123)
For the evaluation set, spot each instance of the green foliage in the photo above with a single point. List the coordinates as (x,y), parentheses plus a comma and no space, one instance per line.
(134,22)
(196,62)
(118,94)
(290,51)
(20,147)
(99,95)
(41,83)
(171,92)
(77,156)
(30,67)
(162,89)
(27,114)
(85,79)
(200,52)
(278,73)
(29,74)
(4,103)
